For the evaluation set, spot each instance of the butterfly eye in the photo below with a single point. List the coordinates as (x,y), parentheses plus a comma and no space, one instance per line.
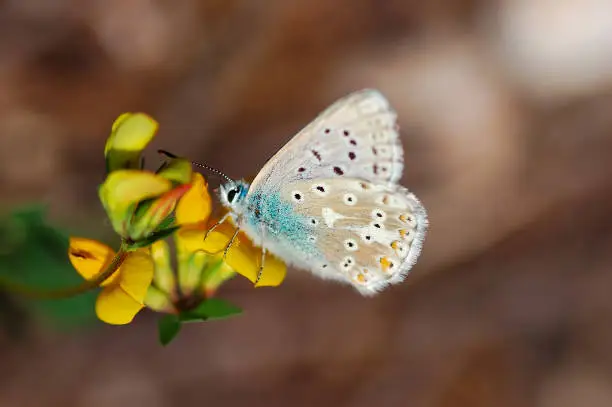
(234,193)
(231,195)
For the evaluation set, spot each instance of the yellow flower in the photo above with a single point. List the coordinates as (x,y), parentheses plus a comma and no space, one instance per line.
(122,295)
(144,208)
(138,202)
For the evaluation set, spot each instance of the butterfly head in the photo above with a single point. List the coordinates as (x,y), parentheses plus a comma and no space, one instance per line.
(232,194)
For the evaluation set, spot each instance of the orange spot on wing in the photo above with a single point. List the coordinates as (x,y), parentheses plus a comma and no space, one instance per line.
(386,264)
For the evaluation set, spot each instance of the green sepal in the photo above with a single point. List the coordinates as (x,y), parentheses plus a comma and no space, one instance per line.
(152,238)
(213,308)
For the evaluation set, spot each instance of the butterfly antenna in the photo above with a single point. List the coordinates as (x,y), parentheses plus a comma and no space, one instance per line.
(211,169)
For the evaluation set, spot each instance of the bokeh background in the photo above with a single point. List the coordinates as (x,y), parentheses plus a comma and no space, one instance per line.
(506,115)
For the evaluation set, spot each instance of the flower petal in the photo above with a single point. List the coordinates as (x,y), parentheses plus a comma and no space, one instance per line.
(196,204)
(190,272)
(164,275)
(177,170)
(115,306)
(130,134)
(191,239)
(243,259)
(159,301)
(136,274)
(90,257)
(215,275)
(124,189)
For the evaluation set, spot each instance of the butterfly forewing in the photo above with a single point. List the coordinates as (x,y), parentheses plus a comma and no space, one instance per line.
(369,235)
(355,137)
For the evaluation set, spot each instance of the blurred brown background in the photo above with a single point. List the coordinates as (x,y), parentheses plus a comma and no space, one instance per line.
(506,111)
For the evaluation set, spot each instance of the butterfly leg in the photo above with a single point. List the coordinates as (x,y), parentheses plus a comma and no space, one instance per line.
(213,227)
(263,256)
(229,244)
(261,267)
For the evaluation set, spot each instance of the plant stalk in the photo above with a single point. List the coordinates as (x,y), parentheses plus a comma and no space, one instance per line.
(43,294)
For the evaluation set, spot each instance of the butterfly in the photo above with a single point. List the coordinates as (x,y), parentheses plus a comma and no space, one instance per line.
(329,200)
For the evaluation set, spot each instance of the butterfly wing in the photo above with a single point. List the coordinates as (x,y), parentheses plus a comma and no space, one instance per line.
(355,137)
(368,235)
(329,201)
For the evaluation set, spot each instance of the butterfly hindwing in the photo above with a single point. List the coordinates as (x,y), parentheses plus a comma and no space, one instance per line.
(369,235)
(355,137)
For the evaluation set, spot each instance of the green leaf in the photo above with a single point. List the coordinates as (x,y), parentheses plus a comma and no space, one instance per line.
(34,253)
(168,327)
(154,237)
(214,308)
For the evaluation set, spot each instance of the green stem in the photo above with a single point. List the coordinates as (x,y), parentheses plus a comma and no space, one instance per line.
(42,294)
